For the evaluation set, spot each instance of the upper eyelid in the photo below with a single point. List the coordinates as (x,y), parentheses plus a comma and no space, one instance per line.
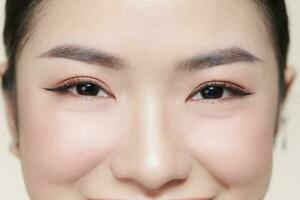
(80,78)
(88,79)
(73,82)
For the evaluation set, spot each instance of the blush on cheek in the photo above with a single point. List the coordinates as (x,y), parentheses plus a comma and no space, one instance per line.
(62,146)
(236,150)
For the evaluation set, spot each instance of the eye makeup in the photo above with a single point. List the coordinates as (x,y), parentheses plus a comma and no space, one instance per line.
(213,91)
(217,90)
(82,86)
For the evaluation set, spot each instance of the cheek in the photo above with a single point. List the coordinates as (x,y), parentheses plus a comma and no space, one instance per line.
(237,150)
(59,146)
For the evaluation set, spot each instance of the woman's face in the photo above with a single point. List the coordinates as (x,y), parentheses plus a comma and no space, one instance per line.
(147,99)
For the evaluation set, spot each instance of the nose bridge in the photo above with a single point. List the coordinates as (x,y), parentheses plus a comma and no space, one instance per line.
(153,142)
(150,156)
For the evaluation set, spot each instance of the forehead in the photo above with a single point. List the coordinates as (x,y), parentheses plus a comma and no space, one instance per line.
(149,25)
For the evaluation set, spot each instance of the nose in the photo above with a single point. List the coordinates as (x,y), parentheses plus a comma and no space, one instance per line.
(150,155)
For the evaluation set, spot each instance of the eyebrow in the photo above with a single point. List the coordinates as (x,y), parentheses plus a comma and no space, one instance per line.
(98,57)
(86,55)
(216,58)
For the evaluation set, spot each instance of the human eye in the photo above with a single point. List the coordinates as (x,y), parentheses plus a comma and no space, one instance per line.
(213,91)
(82,87)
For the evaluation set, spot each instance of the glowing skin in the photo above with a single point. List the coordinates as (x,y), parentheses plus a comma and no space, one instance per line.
(143,138)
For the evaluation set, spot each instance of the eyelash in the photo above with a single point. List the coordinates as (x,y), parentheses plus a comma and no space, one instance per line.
(236,90)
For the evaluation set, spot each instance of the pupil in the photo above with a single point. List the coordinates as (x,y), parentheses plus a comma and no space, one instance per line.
(212,92)
(87,89)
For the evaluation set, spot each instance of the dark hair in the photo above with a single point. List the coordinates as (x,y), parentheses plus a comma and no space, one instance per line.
(20,15)
(18,21)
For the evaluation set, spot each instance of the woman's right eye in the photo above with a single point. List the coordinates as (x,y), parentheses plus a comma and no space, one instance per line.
(80,87)
(87,89)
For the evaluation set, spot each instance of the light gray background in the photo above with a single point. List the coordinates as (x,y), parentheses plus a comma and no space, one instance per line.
(286,175)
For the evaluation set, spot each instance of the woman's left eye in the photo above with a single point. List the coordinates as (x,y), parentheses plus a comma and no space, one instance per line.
(218,91)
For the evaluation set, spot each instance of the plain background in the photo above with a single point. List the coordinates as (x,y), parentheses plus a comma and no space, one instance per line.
(285,183)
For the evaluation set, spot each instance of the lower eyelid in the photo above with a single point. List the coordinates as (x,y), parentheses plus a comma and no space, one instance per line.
(217,101)
(67,95)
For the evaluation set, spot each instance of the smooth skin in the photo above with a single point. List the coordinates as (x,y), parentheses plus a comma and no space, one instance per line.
(146,134)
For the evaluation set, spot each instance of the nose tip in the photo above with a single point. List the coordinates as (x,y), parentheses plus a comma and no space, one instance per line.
(151,174)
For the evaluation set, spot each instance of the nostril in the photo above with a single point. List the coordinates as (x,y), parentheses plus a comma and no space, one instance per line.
(155,192)
(152,180)
(118,168)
